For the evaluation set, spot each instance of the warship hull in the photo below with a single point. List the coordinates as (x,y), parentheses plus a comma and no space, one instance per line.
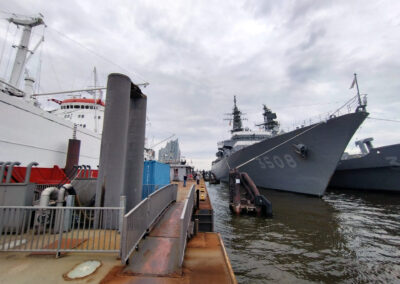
(378,170)
(274,163)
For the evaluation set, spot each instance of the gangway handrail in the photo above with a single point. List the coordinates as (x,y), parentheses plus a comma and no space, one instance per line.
(137,222)
(185,219)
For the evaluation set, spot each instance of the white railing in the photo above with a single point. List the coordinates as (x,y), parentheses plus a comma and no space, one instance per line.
(185,220)
(137,222)
(348,107)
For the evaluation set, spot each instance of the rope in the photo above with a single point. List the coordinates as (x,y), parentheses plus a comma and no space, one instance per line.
(95,53)
(273,148)
(384,119)
(54,70)
(4,43)
(10,53)
(39,68)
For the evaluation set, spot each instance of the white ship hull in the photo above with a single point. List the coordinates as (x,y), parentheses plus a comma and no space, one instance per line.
(28,133)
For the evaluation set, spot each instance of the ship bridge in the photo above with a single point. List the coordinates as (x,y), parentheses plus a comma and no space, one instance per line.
(86,113)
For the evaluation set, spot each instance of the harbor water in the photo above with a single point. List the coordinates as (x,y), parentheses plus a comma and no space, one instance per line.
(344,237)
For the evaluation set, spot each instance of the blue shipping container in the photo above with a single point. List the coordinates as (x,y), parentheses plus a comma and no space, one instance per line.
(155,176)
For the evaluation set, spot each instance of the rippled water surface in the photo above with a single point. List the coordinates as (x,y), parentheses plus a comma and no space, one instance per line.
(346,237)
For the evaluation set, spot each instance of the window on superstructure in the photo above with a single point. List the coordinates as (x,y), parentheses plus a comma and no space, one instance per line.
(82,115)
(91,107)
(99,116)
(76,106)
(86,107)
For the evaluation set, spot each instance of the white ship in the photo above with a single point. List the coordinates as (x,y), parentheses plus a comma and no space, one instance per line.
(29,133)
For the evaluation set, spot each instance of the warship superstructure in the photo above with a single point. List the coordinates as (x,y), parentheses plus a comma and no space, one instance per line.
(302,160)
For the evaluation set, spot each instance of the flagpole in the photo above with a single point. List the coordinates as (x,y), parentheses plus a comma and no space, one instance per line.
(358,90)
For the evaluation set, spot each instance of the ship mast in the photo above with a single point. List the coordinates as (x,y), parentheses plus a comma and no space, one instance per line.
(237,119)
(361,105)
(269,123)
(95,99)
(21,56)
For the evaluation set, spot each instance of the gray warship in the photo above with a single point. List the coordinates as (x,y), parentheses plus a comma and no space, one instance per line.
(301,161)
(372,169)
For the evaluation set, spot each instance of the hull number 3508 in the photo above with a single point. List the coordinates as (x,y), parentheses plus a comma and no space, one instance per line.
(277,162)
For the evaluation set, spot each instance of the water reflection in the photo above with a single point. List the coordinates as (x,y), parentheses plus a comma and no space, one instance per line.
(343,237)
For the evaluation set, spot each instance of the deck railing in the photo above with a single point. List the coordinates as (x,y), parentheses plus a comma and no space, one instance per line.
(83,229)
(59,229)
(138,221)
(185,220)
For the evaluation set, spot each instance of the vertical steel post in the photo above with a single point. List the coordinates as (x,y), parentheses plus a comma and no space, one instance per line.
(122,145)
(122,204)
(111,179)
(135,151)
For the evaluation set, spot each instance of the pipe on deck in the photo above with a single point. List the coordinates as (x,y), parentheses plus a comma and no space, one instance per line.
(10,170)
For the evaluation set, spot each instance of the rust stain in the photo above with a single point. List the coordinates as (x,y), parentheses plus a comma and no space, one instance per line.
(157,262)
(169,225)
(205,258)
(114,275)
(206,263)
(65,244)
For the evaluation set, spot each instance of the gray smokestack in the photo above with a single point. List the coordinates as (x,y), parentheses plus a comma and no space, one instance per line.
(122,144)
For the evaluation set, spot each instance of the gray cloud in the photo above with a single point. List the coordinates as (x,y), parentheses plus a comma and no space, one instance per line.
(297,57)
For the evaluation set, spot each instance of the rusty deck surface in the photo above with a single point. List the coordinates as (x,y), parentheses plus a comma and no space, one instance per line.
(205,262)
(205,259)
(158,253)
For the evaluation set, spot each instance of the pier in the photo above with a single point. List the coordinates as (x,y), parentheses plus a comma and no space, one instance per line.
(156,259)
(166,236)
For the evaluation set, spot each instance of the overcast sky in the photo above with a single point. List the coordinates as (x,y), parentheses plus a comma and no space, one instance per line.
(297,57)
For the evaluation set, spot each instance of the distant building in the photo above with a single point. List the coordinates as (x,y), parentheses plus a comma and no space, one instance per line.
(170,153)
(178,171)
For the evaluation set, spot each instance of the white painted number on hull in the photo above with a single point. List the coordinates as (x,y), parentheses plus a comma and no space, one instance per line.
(277,162)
